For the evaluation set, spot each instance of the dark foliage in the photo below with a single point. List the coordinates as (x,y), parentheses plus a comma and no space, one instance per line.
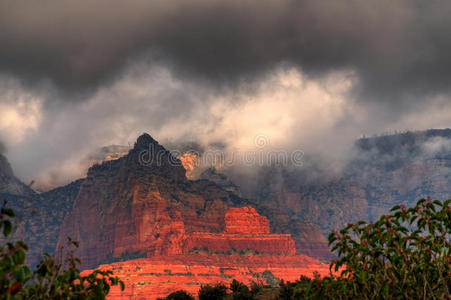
(210,292)
(240,291)
(180,295)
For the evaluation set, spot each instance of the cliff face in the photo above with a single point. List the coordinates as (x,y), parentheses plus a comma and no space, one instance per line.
(144,203)
(245,231)
(245,220)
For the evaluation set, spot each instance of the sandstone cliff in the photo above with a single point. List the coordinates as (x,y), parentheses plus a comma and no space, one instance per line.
(159,276)
(254,254)
(143,202)
(245,231)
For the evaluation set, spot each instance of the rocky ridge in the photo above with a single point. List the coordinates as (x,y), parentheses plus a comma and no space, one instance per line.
(144,203)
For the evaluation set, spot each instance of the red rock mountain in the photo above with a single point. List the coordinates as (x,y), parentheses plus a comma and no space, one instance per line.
(258,256)
(143,203)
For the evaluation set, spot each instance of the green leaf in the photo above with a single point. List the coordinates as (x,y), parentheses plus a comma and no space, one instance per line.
(7,228)
(395,208)
(19,257)
(8,211)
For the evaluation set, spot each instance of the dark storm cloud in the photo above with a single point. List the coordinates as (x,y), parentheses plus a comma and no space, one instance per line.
(398,49)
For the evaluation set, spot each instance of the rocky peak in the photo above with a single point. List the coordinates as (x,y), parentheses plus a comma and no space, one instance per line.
(149,155)
(147,158)
(145,140)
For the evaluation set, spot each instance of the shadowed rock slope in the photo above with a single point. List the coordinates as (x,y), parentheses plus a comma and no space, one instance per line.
(39,216)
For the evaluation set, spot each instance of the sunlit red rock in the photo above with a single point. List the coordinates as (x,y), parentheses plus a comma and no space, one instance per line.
(189,161)
(245,220)
(159,276)
(207,258)
(245,229)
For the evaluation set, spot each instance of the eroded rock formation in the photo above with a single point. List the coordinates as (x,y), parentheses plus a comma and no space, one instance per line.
(246,230)
(143,202)
(245,220)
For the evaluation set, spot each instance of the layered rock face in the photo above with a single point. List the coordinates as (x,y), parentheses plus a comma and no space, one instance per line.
(156,277)
(245,229)
(143,202)
(245,220)
(277,244)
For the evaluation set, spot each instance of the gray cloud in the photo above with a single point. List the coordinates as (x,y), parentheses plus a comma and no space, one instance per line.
(398,49)
(75,76)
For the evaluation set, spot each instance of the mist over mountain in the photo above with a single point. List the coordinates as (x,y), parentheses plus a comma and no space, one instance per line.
(384,171)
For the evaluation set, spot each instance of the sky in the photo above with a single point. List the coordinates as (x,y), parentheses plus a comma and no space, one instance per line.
(305,74)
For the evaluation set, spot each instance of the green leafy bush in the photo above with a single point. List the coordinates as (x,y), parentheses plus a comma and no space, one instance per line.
(403,255)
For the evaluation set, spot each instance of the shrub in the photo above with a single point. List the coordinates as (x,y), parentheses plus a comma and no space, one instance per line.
(235,285)
(243,293)
(180,295)
(240,291)
(403,255)
(286,290)
(210,292)
(256,287)
(270,278)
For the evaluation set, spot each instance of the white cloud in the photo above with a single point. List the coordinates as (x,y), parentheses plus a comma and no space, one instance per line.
(21,112)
